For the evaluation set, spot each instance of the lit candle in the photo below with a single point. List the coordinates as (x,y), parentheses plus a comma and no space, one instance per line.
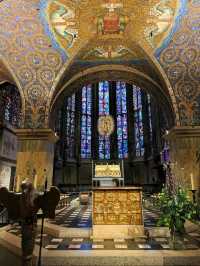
(192,181)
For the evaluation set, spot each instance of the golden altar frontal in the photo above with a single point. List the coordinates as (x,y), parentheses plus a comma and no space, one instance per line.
(117,212)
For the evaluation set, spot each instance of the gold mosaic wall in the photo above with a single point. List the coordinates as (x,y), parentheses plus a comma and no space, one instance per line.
(114,206)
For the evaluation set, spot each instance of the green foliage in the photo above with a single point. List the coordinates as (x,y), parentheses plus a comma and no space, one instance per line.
(175,209)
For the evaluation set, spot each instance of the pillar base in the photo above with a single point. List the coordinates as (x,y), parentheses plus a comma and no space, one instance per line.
(184,145)
(35,156)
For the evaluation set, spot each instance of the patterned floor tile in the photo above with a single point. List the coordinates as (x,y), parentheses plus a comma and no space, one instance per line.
(144,246)
(98,240)
(52,246)
(96,246)
(44,235)
(77,240)
(72,246)
(119,240)
(124,246)
(191,246)
(165,246)
(161,239)
(56,240)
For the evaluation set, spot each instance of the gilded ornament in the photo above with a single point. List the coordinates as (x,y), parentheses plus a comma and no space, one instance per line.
(53,60)
(26,75)
(46,75)
(35,59)
(106,125)
(4,44)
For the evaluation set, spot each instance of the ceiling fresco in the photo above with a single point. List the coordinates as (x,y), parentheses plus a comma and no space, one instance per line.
(149,22)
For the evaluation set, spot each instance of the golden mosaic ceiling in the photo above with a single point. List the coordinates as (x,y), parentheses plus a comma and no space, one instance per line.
(149,22)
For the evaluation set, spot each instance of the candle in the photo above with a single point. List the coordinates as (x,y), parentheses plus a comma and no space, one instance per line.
(35,181)
(192,181)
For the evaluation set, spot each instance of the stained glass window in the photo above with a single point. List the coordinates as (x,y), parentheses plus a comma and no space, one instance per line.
(150,118)
(70,127)
(10,105)
(138,121)
(122,127)
(104,141)
(86,122)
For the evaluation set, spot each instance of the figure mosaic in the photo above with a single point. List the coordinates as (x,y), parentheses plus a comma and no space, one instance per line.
(64,22)
(112,20)
(162,16)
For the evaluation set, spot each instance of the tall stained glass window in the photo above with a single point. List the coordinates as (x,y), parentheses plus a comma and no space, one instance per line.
(122,127)
(150,118)
(138,121)
(104,141)
(70,127)
(86,122)
(10,107)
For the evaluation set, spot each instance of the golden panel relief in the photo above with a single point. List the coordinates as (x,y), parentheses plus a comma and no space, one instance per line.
(117,207)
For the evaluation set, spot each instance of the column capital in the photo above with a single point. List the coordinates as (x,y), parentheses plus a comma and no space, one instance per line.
(183,132)
(37,134)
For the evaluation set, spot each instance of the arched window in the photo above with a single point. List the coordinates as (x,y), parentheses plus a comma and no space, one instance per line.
(10,104)
(121,113)
(150,121)
(86,122)
(138,122)
(70,127)
(104,141)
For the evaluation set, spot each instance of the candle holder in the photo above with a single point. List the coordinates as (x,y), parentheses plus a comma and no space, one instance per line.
(193,195)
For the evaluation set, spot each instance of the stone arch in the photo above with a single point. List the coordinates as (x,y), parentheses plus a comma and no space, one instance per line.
(154,76)
(112,73)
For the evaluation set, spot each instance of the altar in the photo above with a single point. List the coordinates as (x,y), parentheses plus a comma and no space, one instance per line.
(117,212)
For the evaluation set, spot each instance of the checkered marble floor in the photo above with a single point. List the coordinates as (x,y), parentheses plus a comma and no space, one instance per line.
(74,217)
(191,242)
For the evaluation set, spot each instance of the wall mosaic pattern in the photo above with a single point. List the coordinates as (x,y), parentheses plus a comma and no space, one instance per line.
(29,53)
(180,61)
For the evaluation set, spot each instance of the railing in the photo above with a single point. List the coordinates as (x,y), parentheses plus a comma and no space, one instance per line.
(65,200)
(4,217)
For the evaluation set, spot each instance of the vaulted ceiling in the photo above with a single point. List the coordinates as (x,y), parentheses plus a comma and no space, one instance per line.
(44,44)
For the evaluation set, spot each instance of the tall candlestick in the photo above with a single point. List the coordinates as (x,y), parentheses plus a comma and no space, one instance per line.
(92,168)
(123,168)
(35,181)
(192,181)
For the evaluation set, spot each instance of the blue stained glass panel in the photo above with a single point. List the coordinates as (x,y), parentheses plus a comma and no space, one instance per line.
(86,122)
(122,128)
(138,123)
(70,127)
(104,142)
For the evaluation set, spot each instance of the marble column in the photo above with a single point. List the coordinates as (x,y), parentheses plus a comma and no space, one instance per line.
(184,145)
(35,157)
